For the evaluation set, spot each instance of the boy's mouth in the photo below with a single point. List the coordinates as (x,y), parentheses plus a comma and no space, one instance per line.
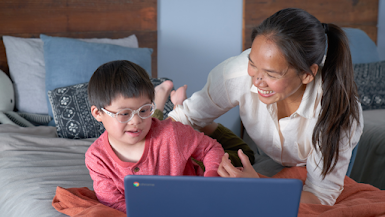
(134,132)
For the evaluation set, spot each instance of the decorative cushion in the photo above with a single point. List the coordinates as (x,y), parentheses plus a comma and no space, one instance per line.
(370,80)
(27,69)
(72,111)
(71,61)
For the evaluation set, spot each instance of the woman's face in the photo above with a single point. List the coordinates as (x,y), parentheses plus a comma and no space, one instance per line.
(271,74)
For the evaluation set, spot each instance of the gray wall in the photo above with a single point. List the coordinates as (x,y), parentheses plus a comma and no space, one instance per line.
(195,36)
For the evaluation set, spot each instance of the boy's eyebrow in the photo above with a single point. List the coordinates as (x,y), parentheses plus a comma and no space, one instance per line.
(120,108)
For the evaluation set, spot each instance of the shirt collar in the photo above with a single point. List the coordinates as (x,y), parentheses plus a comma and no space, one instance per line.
(310,104)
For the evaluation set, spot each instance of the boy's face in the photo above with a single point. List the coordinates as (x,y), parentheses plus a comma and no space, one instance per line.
(124,134)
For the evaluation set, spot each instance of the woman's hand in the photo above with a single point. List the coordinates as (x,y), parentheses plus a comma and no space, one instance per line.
(226,169)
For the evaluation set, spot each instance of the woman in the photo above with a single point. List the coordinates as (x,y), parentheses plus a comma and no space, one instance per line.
(297,100)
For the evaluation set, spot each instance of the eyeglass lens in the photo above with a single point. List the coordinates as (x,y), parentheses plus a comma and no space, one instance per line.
(126,114)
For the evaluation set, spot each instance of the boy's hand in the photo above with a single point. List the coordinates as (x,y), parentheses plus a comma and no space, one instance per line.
(226,169)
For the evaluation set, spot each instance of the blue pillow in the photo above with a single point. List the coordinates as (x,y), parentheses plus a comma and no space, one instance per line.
(362,47)
(70,61)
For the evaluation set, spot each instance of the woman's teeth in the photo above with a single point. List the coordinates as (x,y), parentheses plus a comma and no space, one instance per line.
(265,92)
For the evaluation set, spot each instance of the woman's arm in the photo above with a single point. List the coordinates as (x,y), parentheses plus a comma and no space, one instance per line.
(307,197)
(212,101)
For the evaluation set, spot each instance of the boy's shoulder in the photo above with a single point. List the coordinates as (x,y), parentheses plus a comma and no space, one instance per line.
(169,126)
(98,144)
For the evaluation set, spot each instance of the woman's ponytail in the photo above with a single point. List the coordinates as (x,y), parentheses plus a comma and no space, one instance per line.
(339,105)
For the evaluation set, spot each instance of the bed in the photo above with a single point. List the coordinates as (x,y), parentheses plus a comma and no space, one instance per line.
(35,160)
(51,91)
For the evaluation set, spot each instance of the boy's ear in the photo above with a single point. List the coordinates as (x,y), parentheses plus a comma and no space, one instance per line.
(96,113)
(307,77)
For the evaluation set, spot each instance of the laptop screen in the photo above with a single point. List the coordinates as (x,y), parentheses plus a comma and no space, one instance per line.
(211,196)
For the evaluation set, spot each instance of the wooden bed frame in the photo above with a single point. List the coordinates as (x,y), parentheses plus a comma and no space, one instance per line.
(345,13)
(80,19)
(121,18)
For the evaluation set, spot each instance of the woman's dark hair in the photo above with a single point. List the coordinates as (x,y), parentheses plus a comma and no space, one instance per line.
(116,78)
(303,40)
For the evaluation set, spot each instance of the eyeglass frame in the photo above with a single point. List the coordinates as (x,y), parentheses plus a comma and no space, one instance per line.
(134,112)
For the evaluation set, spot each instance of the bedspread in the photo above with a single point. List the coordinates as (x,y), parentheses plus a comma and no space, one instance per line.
(33,162)
(355,200)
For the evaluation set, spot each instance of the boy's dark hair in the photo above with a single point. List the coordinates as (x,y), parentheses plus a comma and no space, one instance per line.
(116,78)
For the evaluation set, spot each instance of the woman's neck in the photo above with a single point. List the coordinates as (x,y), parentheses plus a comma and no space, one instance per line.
(291,104)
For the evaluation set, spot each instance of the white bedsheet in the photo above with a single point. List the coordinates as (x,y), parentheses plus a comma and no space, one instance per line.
(33,162)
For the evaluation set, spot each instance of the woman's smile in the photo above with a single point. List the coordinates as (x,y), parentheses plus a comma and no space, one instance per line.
(265,93)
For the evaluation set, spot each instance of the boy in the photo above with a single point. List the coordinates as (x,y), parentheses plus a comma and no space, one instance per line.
(121,97)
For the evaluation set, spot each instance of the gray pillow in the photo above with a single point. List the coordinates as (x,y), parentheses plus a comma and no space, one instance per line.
(370,80)
(72,111)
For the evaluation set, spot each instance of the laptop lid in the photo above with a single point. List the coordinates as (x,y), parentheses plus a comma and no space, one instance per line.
(184,196)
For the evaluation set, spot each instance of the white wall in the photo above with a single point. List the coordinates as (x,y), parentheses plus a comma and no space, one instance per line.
(194,37)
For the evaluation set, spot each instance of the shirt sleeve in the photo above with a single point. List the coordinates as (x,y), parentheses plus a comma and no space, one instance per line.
(105,189)
(199,146)
(204,106)
(327,190)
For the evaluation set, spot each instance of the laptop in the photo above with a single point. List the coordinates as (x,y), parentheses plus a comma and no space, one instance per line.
(185,196)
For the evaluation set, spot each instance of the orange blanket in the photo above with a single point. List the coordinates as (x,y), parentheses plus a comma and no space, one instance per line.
(356,199)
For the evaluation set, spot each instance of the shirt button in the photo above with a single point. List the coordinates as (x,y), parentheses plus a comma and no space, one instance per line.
(136,169)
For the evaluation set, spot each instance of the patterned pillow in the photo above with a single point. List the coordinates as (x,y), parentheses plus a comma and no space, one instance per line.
(72,111)
(370,80)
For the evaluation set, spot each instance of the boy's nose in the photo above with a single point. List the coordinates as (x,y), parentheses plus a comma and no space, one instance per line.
(135,120)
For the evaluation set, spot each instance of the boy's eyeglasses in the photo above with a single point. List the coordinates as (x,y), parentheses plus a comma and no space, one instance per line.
(126,115)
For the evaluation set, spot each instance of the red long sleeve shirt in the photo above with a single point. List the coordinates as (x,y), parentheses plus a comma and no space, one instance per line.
(169,147)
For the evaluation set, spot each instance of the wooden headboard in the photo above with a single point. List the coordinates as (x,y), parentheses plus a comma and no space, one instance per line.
(344,13)
(80,19)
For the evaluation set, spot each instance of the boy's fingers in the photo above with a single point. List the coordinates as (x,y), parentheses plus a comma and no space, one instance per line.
(221,169)
(229,167)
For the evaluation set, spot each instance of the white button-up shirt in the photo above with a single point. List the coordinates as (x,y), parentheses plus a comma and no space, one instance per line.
(287,141)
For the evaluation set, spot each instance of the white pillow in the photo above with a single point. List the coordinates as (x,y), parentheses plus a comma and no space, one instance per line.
(27,69)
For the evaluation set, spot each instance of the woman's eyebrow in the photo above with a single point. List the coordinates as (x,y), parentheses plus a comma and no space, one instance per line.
(267,70)
(248,56)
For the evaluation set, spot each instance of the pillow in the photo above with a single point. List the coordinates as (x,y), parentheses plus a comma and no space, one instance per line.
(370,80)
(27,69)
(71,61)
(72,111)
(362,47)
